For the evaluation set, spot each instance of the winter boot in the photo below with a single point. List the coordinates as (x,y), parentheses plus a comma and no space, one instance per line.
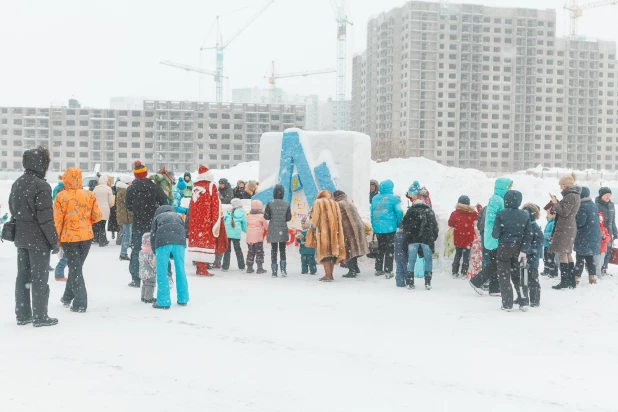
(283,265)
(592,279)
(260,269)
(410,280)
(388,275)
(274,269)
(564,277)
(428,280)
(135,284)
(250,269)
(124,256)
(47,321)
(477,290)
(455,275)
(154,305)
(379,272)
(24,322)
(573,284)
(350,274)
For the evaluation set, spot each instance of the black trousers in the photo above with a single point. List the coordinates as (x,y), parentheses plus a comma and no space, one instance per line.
(386,252)
(608,256)
(488,273)
(100,233)
(239,256)
(255,253)
(459,253)
(352,265)
(32,278)
(508,270)
(549,261)
(534,287)
(273,252)
(580,260)
(75,290)
(136,240)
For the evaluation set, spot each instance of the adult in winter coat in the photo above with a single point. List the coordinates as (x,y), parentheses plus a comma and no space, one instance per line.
(235,224)
(549,259)
(251,189)
(565,230)
(386,214)
(123,216)
(143,198)
(239,191)
(606,206)
(226,193)
(330,246)
(105,199)
(205,222)
(480,225)
(512,230)
(374,189)
(421,229)
(490,265)
(168,237)
(189,183)
(75,212)
(165,181)
(112,223)
(462,221)
(31,205)
(353,233)
(532,291)
(588,239)
(59,188)
(256,227)
(278,212)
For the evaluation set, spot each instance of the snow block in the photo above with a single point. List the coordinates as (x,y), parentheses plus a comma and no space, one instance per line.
(320,160)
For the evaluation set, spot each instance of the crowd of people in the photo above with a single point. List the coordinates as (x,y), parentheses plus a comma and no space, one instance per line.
(163,221)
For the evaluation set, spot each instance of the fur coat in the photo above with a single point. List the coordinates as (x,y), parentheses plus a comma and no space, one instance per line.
(565,228)
(353,229)
(326,219)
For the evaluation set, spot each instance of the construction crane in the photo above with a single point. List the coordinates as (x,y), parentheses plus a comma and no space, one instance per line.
(577,11)
(221,46)
(342,23)
(191,68)
(272,79)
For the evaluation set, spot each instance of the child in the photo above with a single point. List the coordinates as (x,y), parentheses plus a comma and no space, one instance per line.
(605,239)
(476,253)
(550,269)
(235,222)
(307,254)
(278,212)
(256,226)
(168,236)
(462,221)
(147,270)
(533,290)
(512,229)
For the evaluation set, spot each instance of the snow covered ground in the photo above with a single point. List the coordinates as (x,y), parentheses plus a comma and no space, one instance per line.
(254,343)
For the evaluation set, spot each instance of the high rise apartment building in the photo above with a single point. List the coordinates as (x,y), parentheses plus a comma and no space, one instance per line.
(178,135)
(485,87)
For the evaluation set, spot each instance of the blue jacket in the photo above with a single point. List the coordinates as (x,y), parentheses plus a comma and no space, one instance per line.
(588,238)
(178,196)
(495,205)
(59,187)
(304,250)
(386,212)
(549,229)
(512,225)
(536,245)
(240,223)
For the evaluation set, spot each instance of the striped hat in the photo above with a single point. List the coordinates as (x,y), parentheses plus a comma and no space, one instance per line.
(139,170)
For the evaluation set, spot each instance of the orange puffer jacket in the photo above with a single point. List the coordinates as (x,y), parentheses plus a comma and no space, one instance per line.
(75,209)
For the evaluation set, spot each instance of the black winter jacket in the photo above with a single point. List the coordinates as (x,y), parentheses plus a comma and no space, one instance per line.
(535,253)
(31,204)
(278,212)
(167,228)
(480,223)
(227,193)
(420,224)
(609,216)
(512,225)
(143,198)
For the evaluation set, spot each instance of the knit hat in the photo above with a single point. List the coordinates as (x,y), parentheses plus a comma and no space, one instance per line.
(146,247)
(567,181)
(236,203)
(181,185)
(585,193)
(338,193)
(464,200)
(139,170)
(533,210)
(604,190)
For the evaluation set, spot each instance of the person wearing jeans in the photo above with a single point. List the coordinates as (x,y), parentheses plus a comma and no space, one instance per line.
(59,271)
(123,216)
(386,214)
(126,239)
(462,221)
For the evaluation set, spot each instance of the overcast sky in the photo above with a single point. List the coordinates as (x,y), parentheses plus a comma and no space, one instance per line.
(93,50)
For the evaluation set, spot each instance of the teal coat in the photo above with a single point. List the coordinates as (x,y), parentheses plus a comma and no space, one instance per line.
(495,205)
(240,223)
(386,212)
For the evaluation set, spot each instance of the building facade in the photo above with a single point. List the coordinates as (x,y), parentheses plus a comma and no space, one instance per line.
(485,87)
(178,135)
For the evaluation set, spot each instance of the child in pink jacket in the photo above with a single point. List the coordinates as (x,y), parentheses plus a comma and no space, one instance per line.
(256,227)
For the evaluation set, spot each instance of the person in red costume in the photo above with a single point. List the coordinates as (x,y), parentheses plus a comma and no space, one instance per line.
(206,232)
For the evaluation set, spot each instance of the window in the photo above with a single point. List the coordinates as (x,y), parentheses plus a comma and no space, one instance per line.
(70,122)
(122,134)
(238,127)
(122,144)
(135,145)
(135,134)
(83,133)
(237,137)
(212,156)
(71,133)
(135,155)
(213,116)
(83,144)
(136,124)
(83,123)
(122,124)
(122,155)
(136,113)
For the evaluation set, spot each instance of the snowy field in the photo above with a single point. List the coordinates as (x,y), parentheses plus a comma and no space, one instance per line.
(254,343)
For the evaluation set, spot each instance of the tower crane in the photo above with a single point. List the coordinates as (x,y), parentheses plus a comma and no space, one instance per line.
(342,23)
(577,11)
(272,79)
(221,46)
(191,68)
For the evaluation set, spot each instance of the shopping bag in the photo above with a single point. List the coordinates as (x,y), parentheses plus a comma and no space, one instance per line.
(419,268)
(373,247)
(449,243)
(614,259)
